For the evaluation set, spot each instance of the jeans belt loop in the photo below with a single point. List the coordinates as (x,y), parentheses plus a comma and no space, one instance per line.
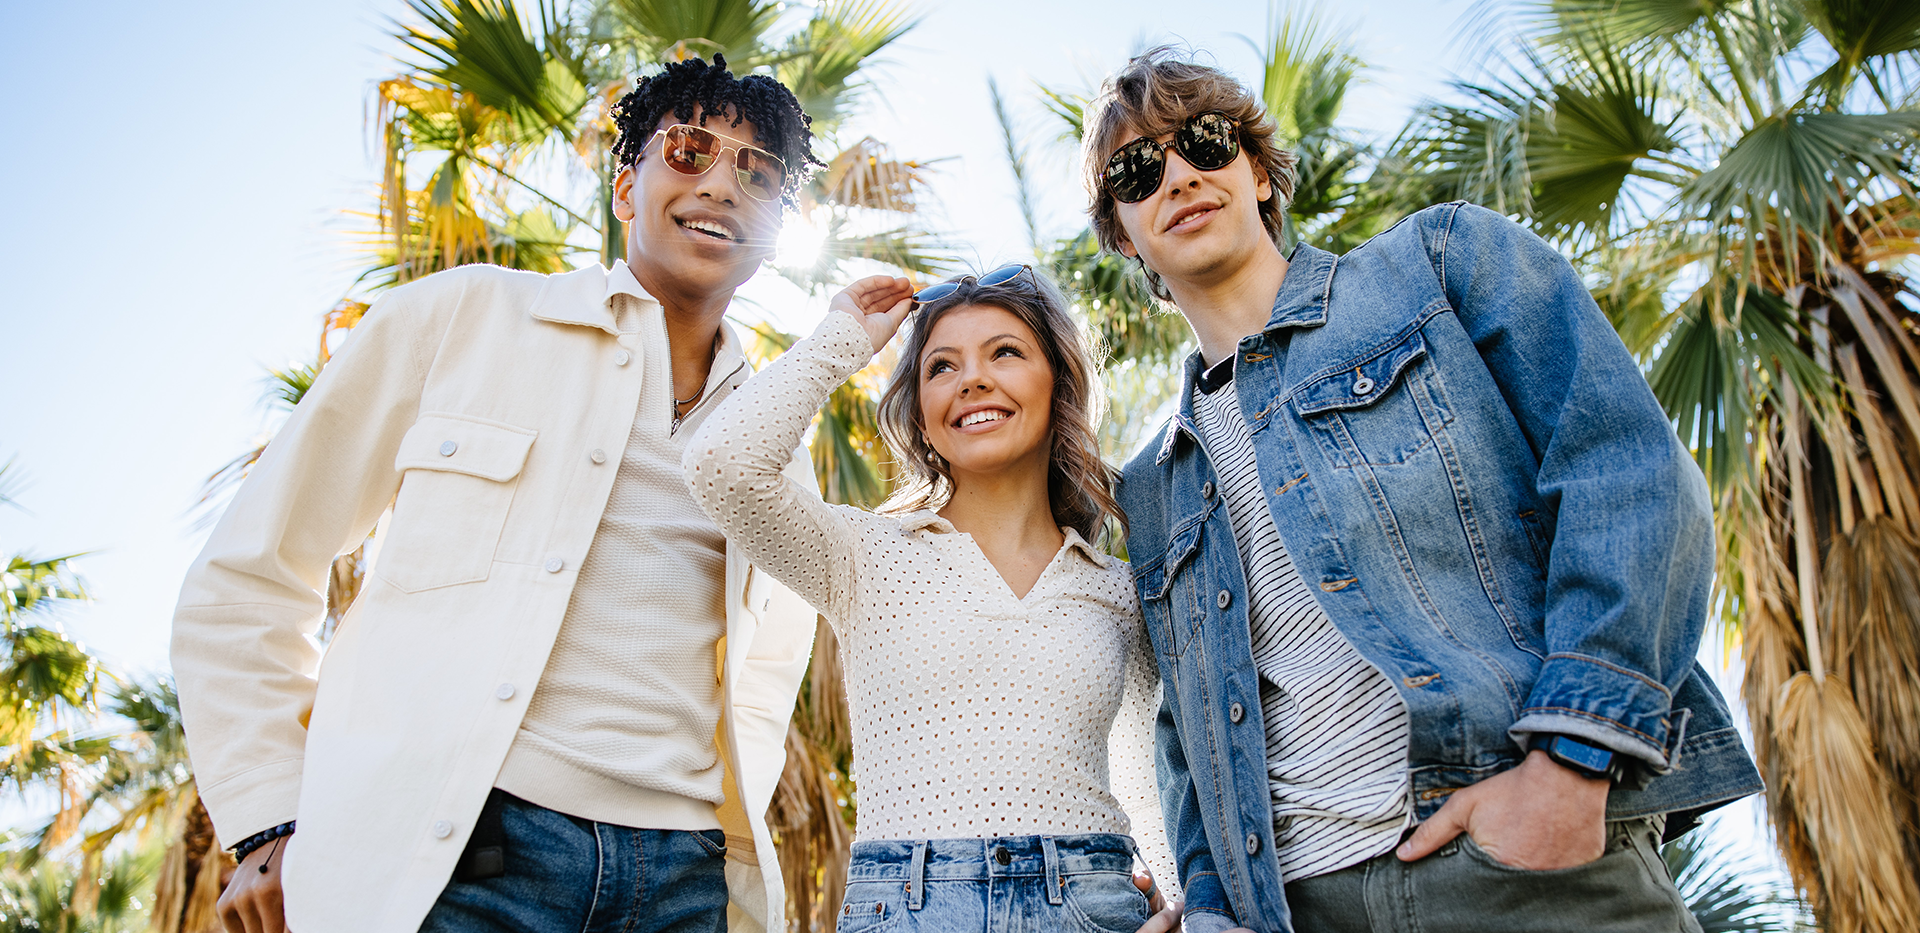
(1051,852)
(917,877)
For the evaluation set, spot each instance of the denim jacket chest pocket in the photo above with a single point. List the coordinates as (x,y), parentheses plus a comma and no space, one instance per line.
(1383,411)
(1171,588)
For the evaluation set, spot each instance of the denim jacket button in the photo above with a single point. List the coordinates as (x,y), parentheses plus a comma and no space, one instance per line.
(1206,490)
(1253,844)
(1224,600)
(1236,712)
(1362,386)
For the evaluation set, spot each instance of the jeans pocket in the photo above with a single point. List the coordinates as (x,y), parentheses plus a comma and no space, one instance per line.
(866,916)
(712,841)
(1478,854)
(1105,902)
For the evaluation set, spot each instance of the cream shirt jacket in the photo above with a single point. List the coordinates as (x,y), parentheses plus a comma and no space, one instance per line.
(494,404)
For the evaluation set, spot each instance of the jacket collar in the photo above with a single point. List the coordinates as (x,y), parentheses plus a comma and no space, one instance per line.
(929,520)
(585,297)
(1301,302)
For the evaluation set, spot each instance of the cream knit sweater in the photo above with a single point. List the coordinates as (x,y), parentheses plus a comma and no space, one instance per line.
(621,727)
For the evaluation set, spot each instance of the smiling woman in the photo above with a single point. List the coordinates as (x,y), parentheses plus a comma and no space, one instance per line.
(999,680)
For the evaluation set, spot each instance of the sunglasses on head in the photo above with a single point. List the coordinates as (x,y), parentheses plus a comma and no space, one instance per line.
(1208,141)
(691,150)
(1000,276)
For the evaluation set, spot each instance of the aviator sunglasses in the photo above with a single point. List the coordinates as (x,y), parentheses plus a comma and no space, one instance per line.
(691,150)
(1000,276)
(1208,141)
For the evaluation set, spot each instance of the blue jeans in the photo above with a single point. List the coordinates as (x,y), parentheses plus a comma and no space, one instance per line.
(1007,884)
(577,876)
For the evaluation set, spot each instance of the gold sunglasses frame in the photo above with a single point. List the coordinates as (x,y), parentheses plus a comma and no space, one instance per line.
(738,147)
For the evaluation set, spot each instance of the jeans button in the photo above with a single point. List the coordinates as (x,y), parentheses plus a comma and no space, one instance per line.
(1206,490)
(1253,844)
(1001,855)
(1223,600)
(1236,712)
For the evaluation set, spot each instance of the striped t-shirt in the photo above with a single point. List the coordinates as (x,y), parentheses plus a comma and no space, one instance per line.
(1336,730)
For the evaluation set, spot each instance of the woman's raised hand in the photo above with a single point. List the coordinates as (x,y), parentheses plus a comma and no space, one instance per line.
(879,303)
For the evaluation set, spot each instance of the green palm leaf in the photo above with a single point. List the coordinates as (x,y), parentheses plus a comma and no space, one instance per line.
(820,63)
(1860,31)
(1804,172)
(484,48)
(734,28)
(1709,374)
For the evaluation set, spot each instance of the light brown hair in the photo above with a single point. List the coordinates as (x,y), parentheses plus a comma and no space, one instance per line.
(1155,93)
(1079,483)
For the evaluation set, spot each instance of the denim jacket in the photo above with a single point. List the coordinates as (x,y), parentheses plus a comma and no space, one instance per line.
(1466,463)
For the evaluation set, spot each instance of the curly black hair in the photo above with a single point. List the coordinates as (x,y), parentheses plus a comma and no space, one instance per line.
(782,128)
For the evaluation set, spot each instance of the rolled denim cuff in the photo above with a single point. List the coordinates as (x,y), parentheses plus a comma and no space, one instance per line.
(1204,895)
(1194,920)
(1600,703)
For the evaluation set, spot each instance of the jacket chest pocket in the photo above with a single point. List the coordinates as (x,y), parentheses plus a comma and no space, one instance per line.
(1170,591)
(458,478)
(1383,412)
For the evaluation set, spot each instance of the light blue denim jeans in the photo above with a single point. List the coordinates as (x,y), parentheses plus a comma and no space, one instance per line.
(569,875)
(1005,884)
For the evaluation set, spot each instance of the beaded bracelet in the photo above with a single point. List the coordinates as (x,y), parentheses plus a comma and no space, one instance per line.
(255,841)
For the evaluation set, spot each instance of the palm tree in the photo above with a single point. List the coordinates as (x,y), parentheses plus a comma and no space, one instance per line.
(1723,897)
(1737,179)
(50,684)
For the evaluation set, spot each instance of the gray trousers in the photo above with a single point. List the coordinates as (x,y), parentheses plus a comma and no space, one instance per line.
(1461,889)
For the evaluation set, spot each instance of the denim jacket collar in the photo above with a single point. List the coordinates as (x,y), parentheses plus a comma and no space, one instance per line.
(1301,302)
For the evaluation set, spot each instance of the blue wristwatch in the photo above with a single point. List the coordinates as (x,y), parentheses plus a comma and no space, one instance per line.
(1590,760)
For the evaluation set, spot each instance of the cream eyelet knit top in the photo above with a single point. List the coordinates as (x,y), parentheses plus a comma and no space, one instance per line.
(975,713)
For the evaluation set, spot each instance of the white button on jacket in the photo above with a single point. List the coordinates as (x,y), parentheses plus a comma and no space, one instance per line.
(464,400)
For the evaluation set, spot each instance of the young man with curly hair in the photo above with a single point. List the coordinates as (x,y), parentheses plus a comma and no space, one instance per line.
(560,701)
(1423,561)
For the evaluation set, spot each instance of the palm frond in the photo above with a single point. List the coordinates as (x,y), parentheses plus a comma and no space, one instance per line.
(1707,377)
(821,63)
(1128,322)
(1069,107)
(1803,173)
(1724,898)
(1860,31)
(486,49)
(676,29)
(1017,162)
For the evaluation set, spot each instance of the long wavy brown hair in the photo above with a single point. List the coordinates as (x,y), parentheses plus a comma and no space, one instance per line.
(1079,482)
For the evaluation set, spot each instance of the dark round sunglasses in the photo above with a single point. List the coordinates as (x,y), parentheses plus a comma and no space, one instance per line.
(1208,141)
(1000,276)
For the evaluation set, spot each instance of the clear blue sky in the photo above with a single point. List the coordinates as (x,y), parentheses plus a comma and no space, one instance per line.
(175,177)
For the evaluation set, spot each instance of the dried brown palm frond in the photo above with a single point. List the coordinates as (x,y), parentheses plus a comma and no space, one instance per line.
(1841,794)
(866,175)
(187,893)
(808,815)
(1871,612)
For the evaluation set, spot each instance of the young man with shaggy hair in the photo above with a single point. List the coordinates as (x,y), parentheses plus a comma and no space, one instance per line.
(560,701)
(1424,563)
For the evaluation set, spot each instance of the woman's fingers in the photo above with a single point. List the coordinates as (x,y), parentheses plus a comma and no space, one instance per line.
(1163,921)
